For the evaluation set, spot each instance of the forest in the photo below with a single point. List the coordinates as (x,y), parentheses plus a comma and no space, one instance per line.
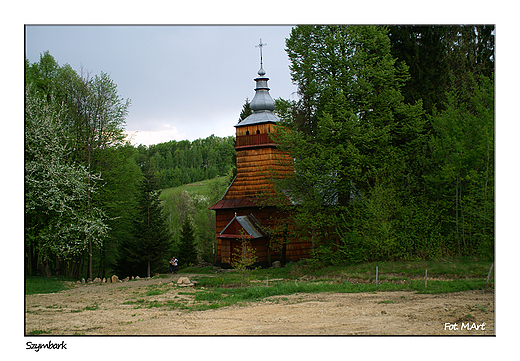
(92,200)
(392,139)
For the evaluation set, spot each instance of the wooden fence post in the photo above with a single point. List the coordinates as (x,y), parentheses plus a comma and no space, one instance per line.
(489,274)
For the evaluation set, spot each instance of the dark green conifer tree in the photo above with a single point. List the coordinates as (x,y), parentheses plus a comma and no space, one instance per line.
(354,139)
(246,110)
(149,249)
(187,251)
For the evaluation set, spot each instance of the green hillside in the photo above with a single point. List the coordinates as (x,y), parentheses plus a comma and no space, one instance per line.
(201,187)
(193,200)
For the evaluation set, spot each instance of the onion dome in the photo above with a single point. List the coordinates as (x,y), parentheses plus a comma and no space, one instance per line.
(262,104)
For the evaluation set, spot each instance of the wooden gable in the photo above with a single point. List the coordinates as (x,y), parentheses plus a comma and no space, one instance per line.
(243,227)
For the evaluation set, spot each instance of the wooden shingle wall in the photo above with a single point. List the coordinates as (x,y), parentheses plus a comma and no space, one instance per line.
(258,163)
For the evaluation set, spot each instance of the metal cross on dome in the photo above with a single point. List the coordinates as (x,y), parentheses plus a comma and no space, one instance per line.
(260,45)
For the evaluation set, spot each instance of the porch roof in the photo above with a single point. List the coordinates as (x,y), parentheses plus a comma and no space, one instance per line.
(252,228)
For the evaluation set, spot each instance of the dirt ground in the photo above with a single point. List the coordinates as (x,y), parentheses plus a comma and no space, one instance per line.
(113,309)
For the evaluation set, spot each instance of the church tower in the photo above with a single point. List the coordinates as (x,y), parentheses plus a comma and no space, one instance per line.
(257,155)
(245,209)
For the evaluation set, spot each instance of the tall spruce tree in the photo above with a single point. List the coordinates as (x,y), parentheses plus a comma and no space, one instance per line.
(187,251)
(355,142)
(152,239)
(246,110)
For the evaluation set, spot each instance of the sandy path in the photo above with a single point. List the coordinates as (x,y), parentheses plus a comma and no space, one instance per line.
(114,309)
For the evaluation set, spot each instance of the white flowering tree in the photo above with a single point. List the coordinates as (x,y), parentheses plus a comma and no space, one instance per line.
(58,221)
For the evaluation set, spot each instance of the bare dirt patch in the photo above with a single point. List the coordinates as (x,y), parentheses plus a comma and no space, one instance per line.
(159,307)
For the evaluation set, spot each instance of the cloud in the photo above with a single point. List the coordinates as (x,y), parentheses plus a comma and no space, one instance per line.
(149,137)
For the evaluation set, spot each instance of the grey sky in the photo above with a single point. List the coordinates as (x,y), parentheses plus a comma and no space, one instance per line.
(184,82)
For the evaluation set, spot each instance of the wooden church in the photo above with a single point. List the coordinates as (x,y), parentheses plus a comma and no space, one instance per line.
(246,210)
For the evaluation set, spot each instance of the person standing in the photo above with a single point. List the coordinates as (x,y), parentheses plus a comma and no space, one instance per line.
(173,265)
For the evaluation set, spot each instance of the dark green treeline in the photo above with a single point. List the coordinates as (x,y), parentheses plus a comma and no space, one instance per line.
(393,141)
(176,163)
